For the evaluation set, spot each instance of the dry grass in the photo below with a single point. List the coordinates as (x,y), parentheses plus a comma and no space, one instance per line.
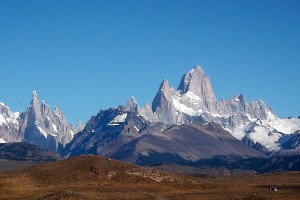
(95,177)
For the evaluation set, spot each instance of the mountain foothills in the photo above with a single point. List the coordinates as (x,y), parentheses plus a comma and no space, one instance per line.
(38,125)
(94,177)
(184,126)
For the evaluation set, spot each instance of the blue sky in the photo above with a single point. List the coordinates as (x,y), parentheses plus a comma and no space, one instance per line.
(83,56)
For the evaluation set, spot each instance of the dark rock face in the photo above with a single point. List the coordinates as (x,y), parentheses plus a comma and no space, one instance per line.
(22,151)
(280,163)
(293,143)
(184,143)
(125,135)
(108,131)
(256,145)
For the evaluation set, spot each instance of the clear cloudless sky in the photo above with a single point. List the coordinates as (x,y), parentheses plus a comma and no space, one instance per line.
(83,56)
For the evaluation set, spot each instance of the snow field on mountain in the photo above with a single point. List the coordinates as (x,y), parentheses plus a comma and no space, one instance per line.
(2,120)
(287,126)
(2,140)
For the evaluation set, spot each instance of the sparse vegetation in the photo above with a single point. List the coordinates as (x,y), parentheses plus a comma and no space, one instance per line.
(95,177)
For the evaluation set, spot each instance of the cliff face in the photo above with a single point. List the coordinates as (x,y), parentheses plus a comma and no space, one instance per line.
(194,100)
(38,125)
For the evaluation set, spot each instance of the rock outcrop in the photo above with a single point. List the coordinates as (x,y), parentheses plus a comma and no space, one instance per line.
(38,125)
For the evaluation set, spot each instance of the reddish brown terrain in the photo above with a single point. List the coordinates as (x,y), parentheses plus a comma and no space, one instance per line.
(95,177)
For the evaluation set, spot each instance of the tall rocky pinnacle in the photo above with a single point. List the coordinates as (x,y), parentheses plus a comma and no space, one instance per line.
(147,113)
(35,105)
(79,126)
(131,105)
(195,101)
(162,103)
(197,82)
(161,97)
(44,127)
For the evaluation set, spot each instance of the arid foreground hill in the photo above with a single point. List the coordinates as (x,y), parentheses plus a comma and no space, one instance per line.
(95,177)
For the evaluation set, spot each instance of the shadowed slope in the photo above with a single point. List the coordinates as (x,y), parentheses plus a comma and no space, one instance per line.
(185,143)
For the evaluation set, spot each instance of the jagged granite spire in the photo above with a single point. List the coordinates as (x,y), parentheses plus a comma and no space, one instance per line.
(162,103)
(164,91)
(44,127)
(35,105)
(79,126)
(197,82)
(195,101)
(131,105)
(147,113)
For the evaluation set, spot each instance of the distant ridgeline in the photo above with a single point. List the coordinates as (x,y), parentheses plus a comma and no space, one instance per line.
(184,126)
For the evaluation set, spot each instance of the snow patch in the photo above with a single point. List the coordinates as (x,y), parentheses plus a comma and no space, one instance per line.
(2,120)
(263,135)
(54,127)
(16,115)
(270,115)
(250,118)
(2,140)
(267,132)
(287,126)
(145,153)
(183,108)
(192,96)
(42,131)
(215,115)
(53,134)
(118,119)
(113,124)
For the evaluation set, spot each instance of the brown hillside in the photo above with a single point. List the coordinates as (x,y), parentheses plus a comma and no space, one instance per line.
(95,177)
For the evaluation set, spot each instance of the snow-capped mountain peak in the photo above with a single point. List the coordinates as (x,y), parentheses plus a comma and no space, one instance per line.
(180,119)
(38,125)
(35,104)
(198,83)
(9,124)
(194,101)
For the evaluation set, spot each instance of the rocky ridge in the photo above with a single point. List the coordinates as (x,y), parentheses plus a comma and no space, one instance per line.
(131,133)
(195,102)
(38,125)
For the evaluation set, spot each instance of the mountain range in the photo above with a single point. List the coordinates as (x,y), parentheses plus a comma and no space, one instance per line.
(183,125)
(187,125)
(38,125)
